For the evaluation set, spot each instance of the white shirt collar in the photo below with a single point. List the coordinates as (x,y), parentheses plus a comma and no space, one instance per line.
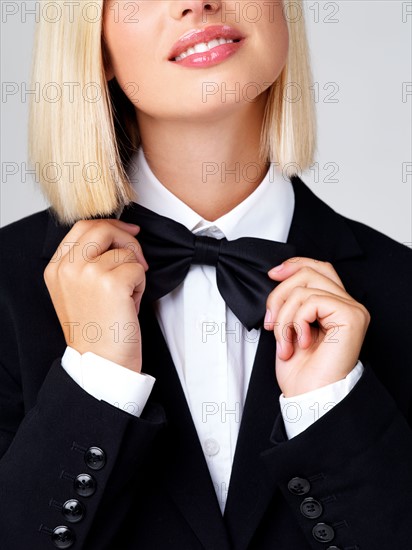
(266,213)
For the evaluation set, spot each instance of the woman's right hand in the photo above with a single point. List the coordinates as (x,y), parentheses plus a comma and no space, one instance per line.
(96,280)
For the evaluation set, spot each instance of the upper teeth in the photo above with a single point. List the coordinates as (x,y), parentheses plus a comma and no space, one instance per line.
(203,47)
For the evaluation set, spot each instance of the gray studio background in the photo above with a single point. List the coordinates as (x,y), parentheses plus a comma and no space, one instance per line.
(361,59)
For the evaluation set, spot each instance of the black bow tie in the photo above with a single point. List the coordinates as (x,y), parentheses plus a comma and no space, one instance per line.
(241,265)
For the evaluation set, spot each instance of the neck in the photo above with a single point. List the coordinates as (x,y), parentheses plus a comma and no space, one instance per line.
(211,165)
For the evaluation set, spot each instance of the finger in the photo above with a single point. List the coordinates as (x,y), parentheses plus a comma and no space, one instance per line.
(304,278)
(289,329)
(71,240)
(293,265)
(129,252)
(329,311)
(113,257)
(132,276)
(97,239)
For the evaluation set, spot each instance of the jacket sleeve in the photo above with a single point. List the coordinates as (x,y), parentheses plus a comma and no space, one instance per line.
(70,455)
(348,477)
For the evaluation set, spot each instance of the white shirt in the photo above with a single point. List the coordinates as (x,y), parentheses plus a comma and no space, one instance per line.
(213,353)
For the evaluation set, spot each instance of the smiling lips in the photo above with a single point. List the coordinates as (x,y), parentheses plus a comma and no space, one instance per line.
(206,47)
(203,47)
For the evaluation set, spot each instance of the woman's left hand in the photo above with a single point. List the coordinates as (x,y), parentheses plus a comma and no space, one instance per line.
(310,356)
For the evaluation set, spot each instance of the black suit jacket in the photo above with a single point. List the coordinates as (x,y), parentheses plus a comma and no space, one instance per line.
(153,490)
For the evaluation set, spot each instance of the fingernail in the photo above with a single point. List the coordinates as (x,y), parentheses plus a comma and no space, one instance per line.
(268,317)
(277,268)
(279,346)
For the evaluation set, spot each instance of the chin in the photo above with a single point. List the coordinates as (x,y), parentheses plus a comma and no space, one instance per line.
(213,110)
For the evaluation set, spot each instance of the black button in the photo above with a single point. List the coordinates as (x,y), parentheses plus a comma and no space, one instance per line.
(95,458)
(323,532)
(299,486)
(73,510)
(332,548)
(85,485)
(311,508)
(62,537)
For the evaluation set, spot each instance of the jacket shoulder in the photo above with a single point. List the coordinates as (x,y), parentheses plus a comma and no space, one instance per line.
(379,248)
(25,236)
(385,273)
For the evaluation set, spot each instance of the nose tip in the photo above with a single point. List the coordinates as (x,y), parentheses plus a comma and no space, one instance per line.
(197,8)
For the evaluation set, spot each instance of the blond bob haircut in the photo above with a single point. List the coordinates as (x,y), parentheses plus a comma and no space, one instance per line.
(80,146)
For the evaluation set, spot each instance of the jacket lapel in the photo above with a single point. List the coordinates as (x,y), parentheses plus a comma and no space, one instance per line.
(250,489)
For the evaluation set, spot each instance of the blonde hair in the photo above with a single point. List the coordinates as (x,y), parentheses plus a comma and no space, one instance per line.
(79,147)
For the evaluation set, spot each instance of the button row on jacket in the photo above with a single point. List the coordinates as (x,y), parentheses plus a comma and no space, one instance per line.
(312,509)
(73,510)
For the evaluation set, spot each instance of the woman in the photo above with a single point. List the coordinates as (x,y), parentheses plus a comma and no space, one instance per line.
(148,401)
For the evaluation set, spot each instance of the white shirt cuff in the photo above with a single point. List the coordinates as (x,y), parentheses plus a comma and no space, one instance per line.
(108,381)
(301,411)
